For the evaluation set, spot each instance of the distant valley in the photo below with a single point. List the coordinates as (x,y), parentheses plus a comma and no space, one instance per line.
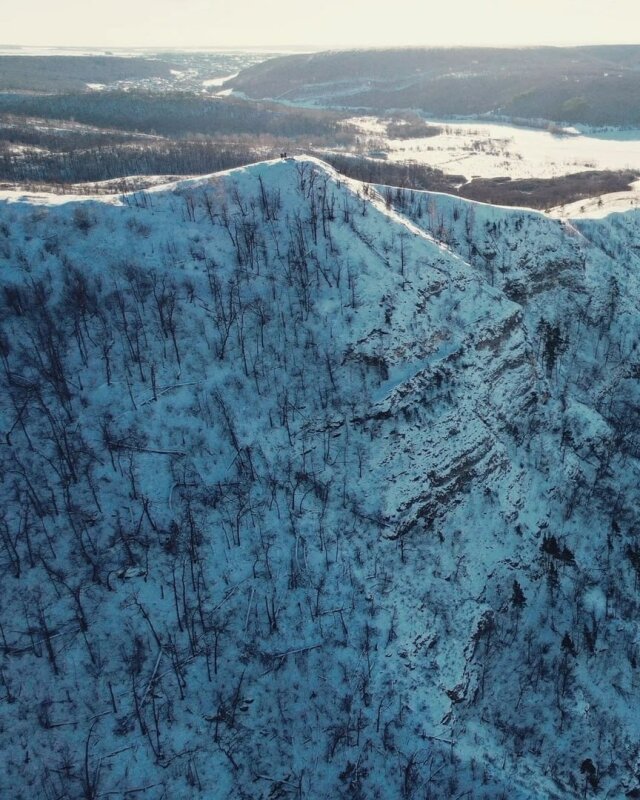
(99,119)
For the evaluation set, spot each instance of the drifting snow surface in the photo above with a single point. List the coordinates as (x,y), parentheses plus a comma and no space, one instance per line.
(275,457)
(477,149)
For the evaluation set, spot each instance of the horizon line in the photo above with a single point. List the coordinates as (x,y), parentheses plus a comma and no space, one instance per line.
(313,47)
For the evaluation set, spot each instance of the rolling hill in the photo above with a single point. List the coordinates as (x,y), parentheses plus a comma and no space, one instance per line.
(590,85)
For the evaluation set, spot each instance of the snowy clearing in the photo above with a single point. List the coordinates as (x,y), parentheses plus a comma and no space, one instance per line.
(492,150)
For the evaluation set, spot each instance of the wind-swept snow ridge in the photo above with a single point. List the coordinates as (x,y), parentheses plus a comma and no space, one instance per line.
(312,493)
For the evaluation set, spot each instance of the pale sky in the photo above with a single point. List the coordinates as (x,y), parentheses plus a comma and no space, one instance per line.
(323,23)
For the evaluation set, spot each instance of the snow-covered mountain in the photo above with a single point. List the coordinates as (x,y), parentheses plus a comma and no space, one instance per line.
(317,491)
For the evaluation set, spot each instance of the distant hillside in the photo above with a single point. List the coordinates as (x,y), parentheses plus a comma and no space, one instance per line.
(170,113)
(590,85)
(68,73)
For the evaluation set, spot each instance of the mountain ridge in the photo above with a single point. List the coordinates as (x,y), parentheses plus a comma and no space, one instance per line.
(301,441)
(595,85)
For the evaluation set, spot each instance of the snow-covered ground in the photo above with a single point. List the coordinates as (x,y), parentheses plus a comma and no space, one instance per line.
(212,82)
(491,150)
(277,451)
(600,207)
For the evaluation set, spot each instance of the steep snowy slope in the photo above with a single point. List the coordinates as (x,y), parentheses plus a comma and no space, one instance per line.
(578,287)
(305,499)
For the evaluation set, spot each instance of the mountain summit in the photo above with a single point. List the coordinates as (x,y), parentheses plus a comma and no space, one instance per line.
(316,490)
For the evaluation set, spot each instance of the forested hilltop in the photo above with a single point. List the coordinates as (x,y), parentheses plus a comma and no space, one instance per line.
(63,73)
(73,137)
(164,70)
(590,85)
(313,492)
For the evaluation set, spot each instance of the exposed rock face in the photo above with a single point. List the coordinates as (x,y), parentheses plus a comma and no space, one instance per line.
(276,457)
